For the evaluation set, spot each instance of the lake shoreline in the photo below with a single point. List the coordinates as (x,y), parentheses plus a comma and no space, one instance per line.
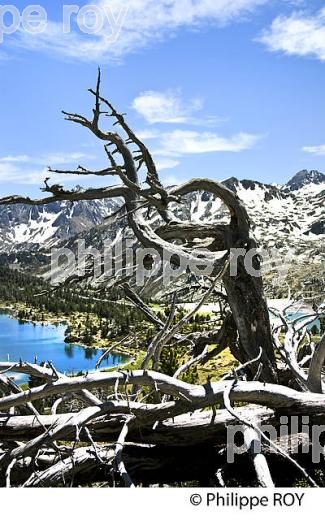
(13,309)
(39,343)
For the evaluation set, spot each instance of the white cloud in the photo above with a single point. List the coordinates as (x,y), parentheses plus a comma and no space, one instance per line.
(147,133)
(64,158)
(164,163)
(14,158)
(12,173)
(23,169)
(165,107)
(316,150)
(54,158)
(172,146)
(146,22)
(183,142)
(299,34)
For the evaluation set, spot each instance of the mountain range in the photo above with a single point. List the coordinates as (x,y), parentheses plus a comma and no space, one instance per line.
(289,217)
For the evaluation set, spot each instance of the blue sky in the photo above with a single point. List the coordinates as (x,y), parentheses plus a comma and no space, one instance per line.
(217,88)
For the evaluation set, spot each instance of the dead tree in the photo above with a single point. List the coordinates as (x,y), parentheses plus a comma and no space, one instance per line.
(167,420)
(127,155)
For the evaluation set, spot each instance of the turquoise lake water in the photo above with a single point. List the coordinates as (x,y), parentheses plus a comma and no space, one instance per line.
(26,340)
(293,316)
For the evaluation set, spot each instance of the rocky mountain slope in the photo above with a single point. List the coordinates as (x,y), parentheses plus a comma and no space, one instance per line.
(290,217)
(24,227)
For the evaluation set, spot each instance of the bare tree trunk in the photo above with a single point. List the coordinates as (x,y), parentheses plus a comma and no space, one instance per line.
(251,315)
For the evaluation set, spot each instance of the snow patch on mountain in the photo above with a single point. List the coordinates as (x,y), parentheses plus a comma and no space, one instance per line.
(290,218)
(24,227)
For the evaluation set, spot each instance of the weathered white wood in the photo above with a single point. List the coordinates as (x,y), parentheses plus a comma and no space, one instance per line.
(195,396)
(46,373)
(315,370)
(185,429)
(253,445)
